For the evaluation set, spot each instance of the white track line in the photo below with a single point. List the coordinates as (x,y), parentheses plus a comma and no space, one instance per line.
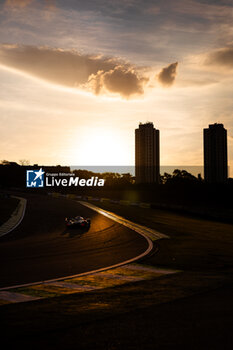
(15,219)
(142,230)
(150,247)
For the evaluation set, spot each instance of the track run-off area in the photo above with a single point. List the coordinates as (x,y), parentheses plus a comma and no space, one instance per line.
(42,258)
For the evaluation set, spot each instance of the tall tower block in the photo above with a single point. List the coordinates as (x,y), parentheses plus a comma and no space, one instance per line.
(215,153)
(147,158)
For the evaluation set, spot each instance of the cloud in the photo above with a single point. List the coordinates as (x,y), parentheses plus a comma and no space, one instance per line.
(72,69)
(167,75)
(211,10)
(222,57)
(17,3)
(23,3)
(123,80)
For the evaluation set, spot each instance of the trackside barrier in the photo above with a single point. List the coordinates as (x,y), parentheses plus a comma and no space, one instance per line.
(55,194)
(124,202)
(103,200)
(114,201)
(145,205)
(71,196)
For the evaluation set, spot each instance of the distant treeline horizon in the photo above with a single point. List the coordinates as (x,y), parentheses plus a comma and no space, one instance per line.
(177,190)
(11,173)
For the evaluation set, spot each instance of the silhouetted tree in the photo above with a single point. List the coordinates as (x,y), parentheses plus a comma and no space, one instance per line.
(24,162)
(5,162)
(179,176)
(165,178)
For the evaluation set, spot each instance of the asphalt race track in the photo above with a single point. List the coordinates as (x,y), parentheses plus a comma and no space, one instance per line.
(41,247)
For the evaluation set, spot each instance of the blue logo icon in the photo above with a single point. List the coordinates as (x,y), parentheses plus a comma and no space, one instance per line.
(35,178)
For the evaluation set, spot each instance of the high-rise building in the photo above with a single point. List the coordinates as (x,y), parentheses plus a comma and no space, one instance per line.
(215,153)
(147,160)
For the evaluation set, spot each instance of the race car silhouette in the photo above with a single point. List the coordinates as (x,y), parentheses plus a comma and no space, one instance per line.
(78,222)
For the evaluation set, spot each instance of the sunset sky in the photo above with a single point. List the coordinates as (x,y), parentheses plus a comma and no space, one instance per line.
(77,77)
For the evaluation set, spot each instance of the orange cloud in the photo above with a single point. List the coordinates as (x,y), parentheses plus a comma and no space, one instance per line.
(121,79)
(23,3)
(17,3)
(70,68)
(222,57)
(167,75)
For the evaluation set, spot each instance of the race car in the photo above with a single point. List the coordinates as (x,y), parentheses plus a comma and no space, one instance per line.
(78,222)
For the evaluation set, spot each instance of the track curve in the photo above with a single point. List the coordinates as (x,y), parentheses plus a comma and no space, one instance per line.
(41,248)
